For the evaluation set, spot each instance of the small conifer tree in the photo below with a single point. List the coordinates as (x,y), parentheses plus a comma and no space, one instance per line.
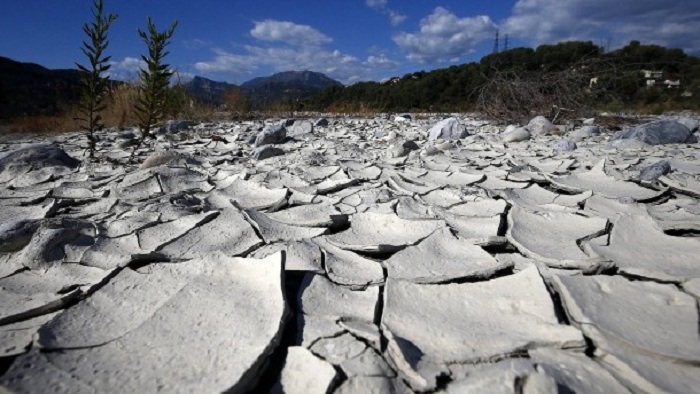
(154,81)
(94,84)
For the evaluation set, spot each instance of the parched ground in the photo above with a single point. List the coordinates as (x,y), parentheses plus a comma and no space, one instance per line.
(353,256)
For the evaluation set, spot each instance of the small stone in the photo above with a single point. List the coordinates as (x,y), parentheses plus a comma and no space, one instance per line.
(266,152)
(655,171)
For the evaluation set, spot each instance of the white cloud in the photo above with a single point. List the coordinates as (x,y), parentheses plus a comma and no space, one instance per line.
(294,47)
(664,22)
(376,3)
(443,36)
(396,18)
(335,64)
(126,69)
(195,43)
(288,32)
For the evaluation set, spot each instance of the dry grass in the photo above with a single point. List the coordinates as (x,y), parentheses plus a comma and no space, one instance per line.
(119,113)
(120,106)
(44,124)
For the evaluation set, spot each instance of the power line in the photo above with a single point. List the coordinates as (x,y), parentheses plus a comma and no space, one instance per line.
(495,44)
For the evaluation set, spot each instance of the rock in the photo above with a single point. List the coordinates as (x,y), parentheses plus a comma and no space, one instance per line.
(174,126)
(300,255)
(628,145)
(552,237)
(540,125)
(266,152)
(380,233)
(655,171)
(576,371)
(690,123)
(584,133)
(410,145)
(32,158)
(347,268)
(653,345)
(28,294)
(159,159)
(271,134)
(448,129)
(656,133)
(300,128)
(338,349)
(16,338)
(367,384)
(598,181)
(320,297)
(440,258)
(500,377)
(564,145)
(431,326)
(15,235)
(430,150)
(516,135)
(252,195)
(204,325)
(229,233)
(323,122)
(639,248)
(538,199)
(274,231)
(304,373)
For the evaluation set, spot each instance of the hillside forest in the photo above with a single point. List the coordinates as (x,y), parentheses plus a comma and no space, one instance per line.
(568,77)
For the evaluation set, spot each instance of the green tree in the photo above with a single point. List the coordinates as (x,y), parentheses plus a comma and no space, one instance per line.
(153,81)
(94,85)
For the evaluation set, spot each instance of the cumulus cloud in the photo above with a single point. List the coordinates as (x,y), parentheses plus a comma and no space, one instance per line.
(289,54)
(444,37)
(125,69)
(664,22)
(288,32)
(395,18)
(376,3)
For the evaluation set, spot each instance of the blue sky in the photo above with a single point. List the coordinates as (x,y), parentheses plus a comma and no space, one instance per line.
(349,40)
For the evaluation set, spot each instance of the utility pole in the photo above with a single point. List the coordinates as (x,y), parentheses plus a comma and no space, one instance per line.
(495,44)
(505,46)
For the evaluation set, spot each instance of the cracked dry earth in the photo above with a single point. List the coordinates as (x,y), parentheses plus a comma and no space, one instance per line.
(351,256)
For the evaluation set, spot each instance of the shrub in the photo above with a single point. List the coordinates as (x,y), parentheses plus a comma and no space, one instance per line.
(151,103)
(93,83)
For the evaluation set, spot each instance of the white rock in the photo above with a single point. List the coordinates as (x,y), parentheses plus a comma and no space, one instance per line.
(321,297)
(440,258)
(433,325)
(304,373)
(204,325)
(379,233)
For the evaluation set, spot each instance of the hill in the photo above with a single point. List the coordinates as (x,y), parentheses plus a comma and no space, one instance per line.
(525,80)
(207,91)
(31,89)
(287,86)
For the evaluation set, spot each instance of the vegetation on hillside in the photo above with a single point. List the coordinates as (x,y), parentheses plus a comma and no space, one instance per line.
(571,75)
(564,79)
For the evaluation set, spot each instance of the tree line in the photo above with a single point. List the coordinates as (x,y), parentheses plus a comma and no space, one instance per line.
(580,69)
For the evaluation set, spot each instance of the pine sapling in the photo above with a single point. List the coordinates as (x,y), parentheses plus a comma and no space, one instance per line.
(150,105)
(94,84)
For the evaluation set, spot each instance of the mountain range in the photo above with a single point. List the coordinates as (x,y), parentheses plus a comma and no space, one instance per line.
(263,91)
(30,89)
